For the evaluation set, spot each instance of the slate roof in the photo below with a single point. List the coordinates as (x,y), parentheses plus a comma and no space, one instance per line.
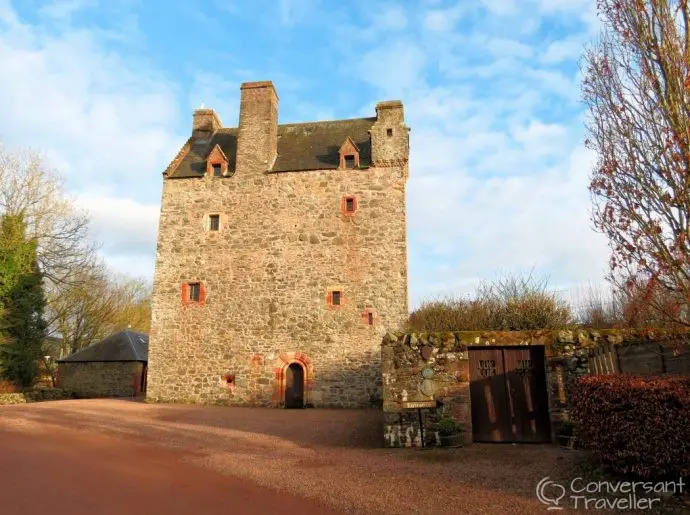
(301,146)
(126,345)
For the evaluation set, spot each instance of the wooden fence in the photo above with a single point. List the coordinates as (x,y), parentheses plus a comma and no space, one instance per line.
(640,358)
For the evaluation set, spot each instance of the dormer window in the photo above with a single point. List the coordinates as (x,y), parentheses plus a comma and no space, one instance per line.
(349,154)
(216,163)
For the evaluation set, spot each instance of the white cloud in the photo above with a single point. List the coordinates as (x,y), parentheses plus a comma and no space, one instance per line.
(481,227)
(392,17)
(395,67)
(127,228)
(502,47)
(500,7)
(441,20)
(62,11)
(105,122)
(567,49)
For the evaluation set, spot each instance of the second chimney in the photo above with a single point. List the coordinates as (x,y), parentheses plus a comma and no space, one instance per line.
(206,122)
(257,140)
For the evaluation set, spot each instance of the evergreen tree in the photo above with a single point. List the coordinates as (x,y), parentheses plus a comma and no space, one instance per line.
(22,303)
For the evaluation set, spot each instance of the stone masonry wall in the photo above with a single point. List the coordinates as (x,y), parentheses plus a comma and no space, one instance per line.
(566,355)
(283,245)
(109,379)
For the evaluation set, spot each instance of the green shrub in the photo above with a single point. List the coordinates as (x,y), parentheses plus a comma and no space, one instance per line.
(635,424)
(447,426)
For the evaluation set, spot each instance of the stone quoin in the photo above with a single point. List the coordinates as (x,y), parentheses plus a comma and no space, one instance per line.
(281,258)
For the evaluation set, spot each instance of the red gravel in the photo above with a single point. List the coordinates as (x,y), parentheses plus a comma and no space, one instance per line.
(111,456)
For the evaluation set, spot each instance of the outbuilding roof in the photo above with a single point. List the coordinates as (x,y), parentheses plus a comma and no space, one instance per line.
(126,345)
(301,146)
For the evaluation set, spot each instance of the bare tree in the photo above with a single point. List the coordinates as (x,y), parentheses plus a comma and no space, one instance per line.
(637,88)
(94,303)
(29,187)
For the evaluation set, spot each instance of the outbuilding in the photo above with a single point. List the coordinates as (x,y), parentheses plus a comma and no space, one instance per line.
(113,367)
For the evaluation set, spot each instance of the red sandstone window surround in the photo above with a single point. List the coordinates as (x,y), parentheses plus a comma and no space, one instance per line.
(368,316)
(216,163)
(348,206)
(349,154)
(335,298)
(193,293)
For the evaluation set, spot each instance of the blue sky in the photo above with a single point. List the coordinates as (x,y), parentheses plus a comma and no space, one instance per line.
(498,171)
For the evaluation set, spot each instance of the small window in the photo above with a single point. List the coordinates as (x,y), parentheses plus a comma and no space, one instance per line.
(213,222)
(217,170)
(350,205)
(389,132)
(194,292)
(370,318)
(336,298)
(350,161)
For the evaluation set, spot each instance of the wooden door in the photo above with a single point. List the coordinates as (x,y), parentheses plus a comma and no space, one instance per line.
(490,422)
(528,401)
(508,395)
(294,386)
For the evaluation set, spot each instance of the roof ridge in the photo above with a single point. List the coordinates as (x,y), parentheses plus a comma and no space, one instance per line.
(361,118)
(131,343)
(368,118)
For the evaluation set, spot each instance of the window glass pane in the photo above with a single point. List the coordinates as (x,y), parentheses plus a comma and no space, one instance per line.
(349,161)
(194,292)
(217,171)
(350,204)
(336,298)
(214,222)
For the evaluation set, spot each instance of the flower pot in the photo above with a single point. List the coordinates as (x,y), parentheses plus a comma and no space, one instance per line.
(454,440)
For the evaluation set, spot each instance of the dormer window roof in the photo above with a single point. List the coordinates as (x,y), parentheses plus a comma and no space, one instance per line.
(217,163)
(349,154)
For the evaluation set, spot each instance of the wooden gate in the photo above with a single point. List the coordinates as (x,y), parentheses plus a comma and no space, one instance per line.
(508,394)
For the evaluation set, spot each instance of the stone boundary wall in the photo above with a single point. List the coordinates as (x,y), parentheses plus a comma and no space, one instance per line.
(566,358)
(101,379)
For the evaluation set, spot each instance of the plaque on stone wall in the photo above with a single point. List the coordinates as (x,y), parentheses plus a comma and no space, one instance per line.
(427,387)
(427,373)
(418,404)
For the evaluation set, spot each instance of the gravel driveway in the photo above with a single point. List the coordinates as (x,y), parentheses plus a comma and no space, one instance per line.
(316,460)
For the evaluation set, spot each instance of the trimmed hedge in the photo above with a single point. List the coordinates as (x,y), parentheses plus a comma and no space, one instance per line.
(635,424)
(12,398)
(35,395)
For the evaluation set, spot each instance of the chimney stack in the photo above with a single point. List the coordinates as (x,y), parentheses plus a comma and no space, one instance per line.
(206,122)
(257,141)
(390,144)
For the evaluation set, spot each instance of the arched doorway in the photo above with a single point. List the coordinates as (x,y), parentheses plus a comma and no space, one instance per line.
(294,386)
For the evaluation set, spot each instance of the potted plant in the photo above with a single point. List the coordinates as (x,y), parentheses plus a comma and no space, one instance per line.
(450,432)
(565,434)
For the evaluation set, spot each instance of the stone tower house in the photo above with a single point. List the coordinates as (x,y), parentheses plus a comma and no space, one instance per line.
(281,258)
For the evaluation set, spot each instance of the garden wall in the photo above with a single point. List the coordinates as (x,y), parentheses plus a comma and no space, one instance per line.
(568,355)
